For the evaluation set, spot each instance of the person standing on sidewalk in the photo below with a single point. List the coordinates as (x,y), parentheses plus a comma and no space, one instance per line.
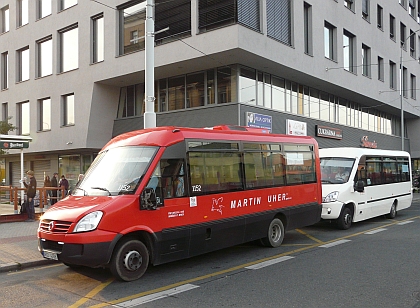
(54,183)
(30,195)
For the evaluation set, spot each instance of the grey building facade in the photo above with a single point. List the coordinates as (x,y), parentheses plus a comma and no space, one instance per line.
(72,72)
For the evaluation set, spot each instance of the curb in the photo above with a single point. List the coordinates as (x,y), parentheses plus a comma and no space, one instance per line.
(14,266)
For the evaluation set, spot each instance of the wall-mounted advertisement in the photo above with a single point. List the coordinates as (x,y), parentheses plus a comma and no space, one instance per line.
(296,128)
(257,120)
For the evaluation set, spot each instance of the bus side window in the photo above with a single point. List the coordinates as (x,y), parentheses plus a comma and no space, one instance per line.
(173,178)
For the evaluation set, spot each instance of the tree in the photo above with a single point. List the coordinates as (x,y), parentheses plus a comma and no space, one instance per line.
(6,127)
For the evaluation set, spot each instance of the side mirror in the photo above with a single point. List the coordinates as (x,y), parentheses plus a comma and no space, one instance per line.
(359,186)
(148,199)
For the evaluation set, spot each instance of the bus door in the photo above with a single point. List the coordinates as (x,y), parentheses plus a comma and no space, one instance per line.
(167,184)
(361,198)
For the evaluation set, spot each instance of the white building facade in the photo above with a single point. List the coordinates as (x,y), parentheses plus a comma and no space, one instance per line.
(72,72)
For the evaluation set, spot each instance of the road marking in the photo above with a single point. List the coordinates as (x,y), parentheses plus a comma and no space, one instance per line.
(268,263)
(335,243)
(92,293)
(235,268)
(156,296)
(310,236)
(376,231)
(405,222)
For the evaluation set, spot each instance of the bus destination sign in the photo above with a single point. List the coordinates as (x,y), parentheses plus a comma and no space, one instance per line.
(9,145)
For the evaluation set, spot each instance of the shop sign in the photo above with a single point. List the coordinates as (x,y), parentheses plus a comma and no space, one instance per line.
(8,145)
(368,144)
(296,128)
(257,120)
(329,132)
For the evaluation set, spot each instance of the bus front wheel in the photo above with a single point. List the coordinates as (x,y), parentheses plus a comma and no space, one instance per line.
(130,260)
(393,211)
(275,234)
(345,219)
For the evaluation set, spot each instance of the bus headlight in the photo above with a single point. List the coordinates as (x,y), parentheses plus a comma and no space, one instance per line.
(331,197)
(89,222)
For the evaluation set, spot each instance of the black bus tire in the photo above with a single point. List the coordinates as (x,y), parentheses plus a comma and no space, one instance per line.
(130,260)
(393,211)
(275,234)
(345,219)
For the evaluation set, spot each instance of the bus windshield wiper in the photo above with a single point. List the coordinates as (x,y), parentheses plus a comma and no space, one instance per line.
(104,189)
(84,191)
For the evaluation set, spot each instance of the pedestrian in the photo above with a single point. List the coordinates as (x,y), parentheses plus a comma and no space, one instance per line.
(64,184)
(79,179)
(30,195)
(54,183)
(47,183)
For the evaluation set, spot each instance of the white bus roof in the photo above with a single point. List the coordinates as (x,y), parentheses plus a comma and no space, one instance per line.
(348,152)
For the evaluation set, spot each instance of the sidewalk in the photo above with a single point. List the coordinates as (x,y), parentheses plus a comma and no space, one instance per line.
(19,246)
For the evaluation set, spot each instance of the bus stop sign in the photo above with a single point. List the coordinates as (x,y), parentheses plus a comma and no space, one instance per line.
(14,145)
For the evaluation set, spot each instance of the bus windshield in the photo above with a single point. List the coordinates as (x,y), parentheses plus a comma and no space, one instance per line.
(336,170)
(116,171)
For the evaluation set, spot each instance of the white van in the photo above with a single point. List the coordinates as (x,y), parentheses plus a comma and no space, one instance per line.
(360,183)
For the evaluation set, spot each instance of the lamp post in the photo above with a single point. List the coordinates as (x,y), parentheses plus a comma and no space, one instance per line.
(401,89)
(149,89)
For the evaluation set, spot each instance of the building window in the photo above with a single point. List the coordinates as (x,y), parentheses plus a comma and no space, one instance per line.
(392,75)
(4,112)
(23,64)
(216,14)
(412,44)
(68,110)
(44,57)
(23,118)
(402,3)
(247,83)
(404,82)
(195,90)
(132,33)
(380,69)
(392,27)
(131,101)
(43,8)
(4,70)
(98,38)
(65,4)
(413,86)
(307,28)
(380,16)
(329,40)
(279,20)
(69,48)
(176,17)
(176,93)
(4,22)
(365,9)
(349,4)
(348,52)
(23,12)
(412,8)
(403,36)
(366,61)
(44,114)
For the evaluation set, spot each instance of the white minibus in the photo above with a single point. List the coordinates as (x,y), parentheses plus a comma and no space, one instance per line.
(361,183)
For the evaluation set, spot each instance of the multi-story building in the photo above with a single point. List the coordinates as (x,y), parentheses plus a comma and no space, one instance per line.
(72,72)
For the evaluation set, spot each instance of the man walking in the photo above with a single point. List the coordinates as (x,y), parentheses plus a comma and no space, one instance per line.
(30,195)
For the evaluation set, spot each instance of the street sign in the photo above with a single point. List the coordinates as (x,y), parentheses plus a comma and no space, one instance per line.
(9,145)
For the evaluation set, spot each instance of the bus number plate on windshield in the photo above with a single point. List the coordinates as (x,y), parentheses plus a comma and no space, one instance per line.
(50,255)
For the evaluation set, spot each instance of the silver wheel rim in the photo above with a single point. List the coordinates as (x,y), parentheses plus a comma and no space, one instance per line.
(133,261)
(275,233)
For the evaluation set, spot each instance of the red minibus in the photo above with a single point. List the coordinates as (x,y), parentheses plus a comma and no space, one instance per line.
(157,195)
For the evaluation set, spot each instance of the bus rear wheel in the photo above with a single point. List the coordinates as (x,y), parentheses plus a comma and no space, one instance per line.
(130,260)
(345,219)
(275,234)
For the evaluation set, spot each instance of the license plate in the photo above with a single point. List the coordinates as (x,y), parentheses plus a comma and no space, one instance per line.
(50,255)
